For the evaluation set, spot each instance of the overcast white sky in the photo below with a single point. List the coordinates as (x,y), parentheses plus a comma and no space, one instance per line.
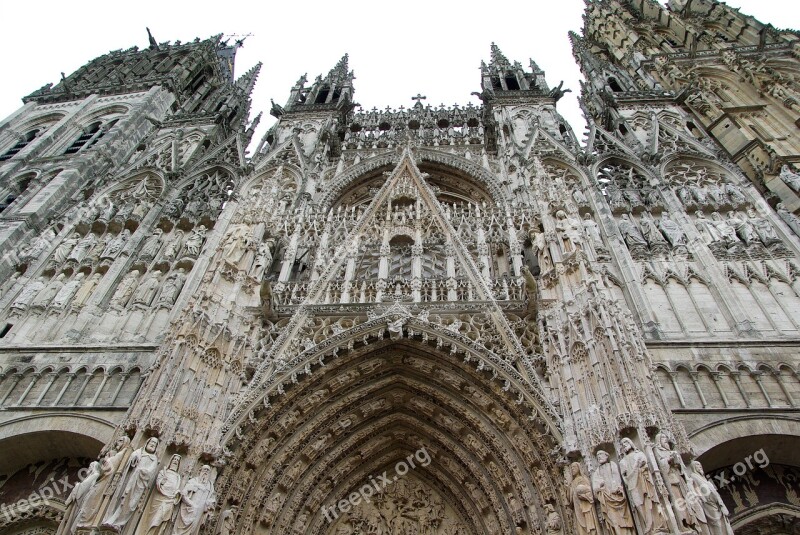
(397,49)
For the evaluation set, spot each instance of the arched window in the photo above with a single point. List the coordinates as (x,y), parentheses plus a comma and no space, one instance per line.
(21,144)
(91,135)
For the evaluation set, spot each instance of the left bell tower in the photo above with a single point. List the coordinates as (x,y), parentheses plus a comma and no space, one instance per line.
(110,182)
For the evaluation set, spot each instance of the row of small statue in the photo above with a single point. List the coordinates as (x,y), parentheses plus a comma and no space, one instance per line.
(736,229)
(125,482)
(626,496)
(62,291)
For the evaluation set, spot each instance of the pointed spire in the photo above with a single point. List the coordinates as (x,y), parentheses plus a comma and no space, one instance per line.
(498,59)
(153,42)
(247,81)
(339,74)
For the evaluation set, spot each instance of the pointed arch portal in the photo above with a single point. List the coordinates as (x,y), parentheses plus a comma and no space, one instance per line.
(394,436)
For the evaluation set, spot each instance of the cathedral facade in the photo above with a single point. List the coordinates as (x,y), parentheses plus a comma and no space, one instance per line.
(417,321)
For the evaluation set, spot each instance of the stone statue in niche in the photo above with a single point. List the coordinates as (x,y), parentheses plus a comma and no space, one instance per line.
(174,244)
(44,297)
(64,295)
(263,259)
(38,246)
(789,218)
(195,240)
(163,500)
(763,228)
(744,230)
(716,514)
(671,230)
(236,244)
(125,289)
(83,247)
(651,232)
(152,245)
(136,481)
(172,287)
(790,178)
(145,293)
(726,232)
(688,509)
(707,228)
(227,521)
(553,521)
(630,232)
(27,294)
(735,195)
(592,230)
(570,230)
(581,498)
(641,489)
(197,499)
(87,288)
(607,487)
(116,244)
(65,248)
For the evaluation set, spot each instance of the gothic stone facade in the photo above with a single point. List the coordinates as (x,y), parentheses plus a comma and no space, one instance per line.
(422,321)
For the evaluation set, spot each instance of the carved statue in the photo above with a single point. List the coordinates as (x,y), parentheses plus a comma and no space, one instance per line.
(172,287)
(791,178)
(789,218)
(607,487)
(581,498)
(651,232)
(64,295)
(688,510)
(125,289)
(763,228)
(671,230)
(236,244)
(152,245)
(83,247)
(162,502)
(197,500)
(592,229)
(707,228)
(75,499)
(38,246)
(227,521)
(65,248)
(195,240)
(744,230)
(263,260)
(630,232)
(727,233)
(136,481)
(44,297)
(85,291)
(553,522)
(716,513)
(532,293)
(115,245)
(569,228)
(641,490)
(111,466)
(145,293)
(27,294)
(735,195)
(173,246)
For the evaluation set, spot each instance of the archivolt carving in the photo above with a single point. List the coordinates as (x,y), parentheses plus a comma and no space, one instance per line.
(370,409)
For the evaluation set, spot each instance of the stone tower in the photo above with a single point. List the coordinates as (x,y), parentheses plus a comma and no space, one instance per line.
(422,320)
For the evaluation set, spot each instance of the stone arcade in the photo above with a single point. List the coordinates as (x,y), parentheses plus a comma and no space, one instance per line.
(417,321)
